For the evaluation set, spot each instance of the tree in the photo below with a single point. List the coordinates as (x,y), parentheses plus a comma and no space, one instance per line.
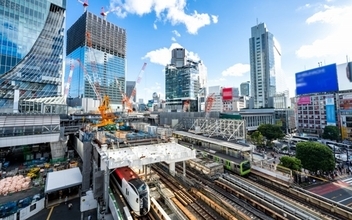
(315,156)
(292,163)
(331,133)
(271,132)
(257,138)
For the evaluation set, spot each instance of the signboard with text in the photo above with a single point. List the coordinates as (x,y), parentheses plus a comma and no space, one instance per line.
(321,79)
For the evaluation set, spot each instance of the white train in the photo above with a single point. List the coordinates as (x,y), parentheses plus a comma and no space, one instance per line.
(133,189)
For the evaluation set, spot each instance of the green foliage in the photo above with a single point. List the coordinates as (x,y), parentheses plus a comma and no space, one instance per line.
(271,132)
(257,138)
(315,156)
(331,133)
(292,163)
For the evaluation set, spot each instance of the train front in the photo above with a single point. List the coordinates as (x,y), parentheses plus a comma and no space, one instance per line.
(144,196)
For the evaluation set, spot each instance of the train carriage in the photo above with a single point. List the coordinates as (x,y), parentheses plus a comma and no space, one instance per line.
(135,191)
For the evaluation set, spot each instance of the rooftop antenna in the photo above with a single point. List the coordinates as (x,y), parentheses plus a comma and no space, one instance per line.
(85,4)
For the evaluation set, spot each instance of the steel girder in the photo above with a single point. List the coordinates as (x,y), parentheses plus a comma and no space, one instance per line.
(226,128)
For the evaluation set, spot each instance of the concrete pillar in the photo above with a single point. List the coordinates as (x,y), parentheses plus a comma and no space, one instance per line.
(106,186)
(172,169)
(184,168)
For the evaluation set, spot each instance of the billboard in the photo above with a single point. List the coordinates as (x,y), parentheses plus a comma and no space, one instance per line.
(227,94)
(321,79)
(303,100)
(330,111)
(344,76)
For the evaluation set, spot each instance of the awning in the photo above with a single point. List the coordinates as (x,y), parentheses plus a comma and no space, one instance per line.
(63,179)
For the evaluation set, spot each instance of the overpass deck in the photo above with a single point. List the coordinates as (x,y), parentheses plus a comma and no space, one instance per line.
(145,154)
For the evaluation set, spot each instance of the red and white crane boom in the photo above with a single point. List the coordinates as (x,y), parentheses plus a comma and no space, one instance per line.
(140,75)
(84,3)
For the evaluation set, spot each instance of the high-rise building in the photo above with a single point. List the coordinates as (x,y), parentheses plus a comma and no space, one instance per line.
(265,58)
(129,88)
(31,50)
(101,48)
(245,88)
(184,81)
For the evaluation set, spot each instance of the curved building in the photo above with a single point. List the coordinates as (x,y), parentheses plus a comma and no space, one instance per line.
(31,50)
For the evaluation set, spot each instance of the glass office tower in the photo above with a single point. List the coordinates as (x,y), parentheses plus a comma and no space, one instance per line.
(183,82)
(97,49)
(265,62)
(31,50)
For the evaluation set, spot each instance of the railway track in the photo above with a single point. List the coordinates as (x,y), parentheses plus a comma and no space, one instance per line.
(196,209)
(300,199)
(238,207)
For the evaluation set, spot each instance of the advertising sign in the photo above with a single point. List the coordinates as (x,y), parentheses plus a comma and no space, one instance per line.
(227,94)
(322,79)
(303,100)
(330,111)
(344,76)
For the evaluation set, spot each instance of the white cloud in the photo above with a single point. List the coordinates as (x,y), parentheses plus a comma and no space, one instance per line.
(176,33)
(215,19)
(236,70)
(154,26)
(338,41)
(162,56)
(173,39)
(172,11)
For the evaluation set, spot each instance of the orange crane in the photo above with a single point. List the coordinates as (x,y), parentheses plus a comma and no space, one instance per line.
(133,93)
(209,104)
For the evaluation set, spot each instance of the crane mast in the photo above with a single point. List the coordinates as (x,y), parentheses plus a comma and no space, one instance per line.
(140,75)
(67,86)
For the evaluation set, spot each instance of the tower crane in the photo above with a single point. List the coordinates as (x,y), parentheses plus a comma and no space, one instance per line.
(105,13)
(84,3)
(90,81)
(93,65)
(133,93)
(67,86)
(123,95)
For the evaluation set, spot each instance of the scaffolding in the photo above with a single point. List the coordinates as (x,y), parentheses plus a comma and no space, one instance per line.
(226,128)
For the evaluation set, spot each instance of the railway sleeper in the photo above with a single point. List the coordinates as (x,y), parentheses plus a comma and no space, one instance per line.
(185,211)
(220,210)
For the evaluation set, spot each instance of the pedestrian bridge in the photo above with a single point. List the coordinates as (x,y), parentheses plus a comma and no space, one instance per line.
(26,129)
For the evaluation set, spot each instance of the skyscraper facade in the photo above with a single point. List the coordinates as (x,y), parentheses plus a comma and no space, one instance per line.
(97,48)
(31,50)
(129,88)
(265,58)
(245,88)
(184,79)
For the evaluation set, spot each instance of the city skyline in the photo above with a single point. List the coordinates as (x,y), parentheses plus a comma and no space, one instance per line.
(325,38)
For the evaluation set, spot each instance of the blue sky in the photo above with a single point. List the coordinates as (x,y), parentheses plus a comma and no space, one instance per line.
(217,32)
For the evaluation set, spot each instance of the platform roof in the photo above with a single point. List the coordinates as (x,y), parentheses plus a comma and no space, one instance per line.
(63,179)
